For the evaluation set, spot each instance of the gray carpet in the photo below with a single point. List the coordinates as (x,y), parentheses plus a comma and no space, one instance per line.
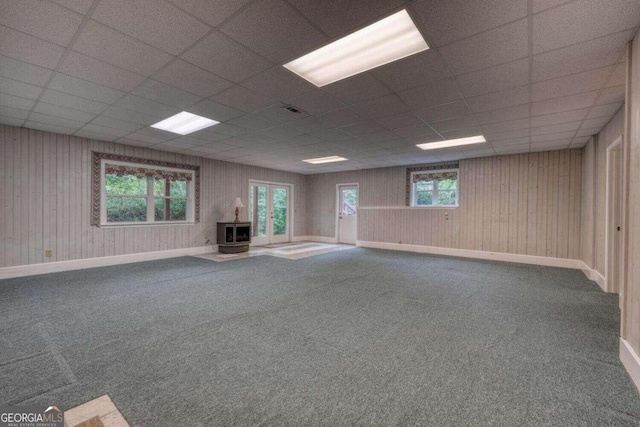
(358,337)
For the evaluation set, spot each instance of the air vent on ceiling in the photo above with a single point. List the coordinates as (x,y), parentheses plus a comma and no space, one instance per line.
(292,109)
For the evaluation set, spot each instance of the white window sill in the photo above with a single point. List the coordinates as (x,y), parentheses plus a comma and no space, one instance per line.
(153,224)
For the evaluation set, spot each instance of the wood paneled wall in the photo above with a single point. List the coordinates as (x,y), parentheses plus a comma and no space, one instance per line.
(523,204)
(45,198)
(594,193)
(631,303)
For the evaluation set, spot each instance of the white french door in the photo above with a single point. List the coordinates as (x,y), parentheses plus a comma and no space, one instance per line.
(269,213)
(347,213)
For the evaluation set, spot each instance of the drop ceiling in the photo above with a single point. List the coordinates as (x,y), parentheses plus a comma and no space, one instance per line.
(530,75)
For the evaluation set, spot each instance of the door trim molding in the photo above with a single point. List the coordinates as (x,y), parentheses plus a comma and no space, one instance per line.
(610,148)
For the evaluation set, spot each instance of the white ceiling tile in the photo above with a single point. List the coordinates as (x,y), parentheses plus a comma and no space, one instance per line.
(558,128)
(445,111)
(277,83)
(362,129)
(504,44)
(150,136)
(146,106)
(511,134)
(619,76)
(277,114)
(331,135)
(509,142)
(569,85)
(45,20)
(29,49)
(215,111)
(131,116)
(595,123)
(500,100)
(288,34)
(63,112)
(340,117)
(357,88)
(307,125)
(25,90)
(10,121)
(607,110)
(93,70)
(72,101)
(463,122)
(422,131)
(116,123)
(192,79)
(494,79)
(55,121)
(580,142)
(251,122)
(213,12)
(102,130)
(611,95)
(506,126)
(431,94)
(588,132)
(399,121)
(165,94)
(565,103)
(111,46)
(126,140)
(50,128)
(238,63)
(448,20)
(387,105)
(153,21)
(13,113)
(74,86)
(228,129)
(582,20)
(413,71)
(504,114)
(16,102)
(341,18)
(540,5)
(596,53)
(241,98)
(543,137)
(555,118)
(21,71)
(315,102)
(80,6)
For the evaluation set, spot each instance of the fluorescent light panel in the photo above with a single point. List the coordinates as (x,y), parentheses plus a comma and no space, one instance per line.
(452,142)
(382,42)
(321,160)
(184,123)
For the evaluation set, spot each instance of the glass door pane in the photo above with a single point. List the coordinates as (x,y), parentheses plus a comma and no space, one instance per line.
(258,210)
(279,204)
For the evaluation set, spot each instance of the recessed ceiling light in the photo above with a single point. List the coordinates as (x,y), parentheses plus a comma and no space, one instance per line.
(452,142)
(382,42)
(184,123)
(325,160)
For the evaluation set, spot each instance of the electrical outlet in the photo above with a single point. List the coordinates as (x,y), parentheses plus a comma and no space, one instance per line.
(48,253)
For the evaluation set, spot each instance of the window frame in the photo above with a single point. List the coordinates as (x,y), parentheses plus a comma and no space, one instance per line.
(150,196)
(414,191)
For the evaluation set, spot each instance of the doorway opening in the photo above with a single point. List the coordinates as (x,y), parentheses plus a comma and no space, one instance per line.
(613,235)
(270,212)
(347,212)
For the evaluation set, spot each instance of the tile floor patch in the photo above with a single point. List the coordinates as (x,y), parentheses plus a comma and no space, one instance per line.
(291,251)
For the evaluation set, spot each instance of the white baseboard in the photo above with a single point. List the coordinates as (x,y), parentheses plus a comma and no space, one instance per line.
(54,267)
(631,362)
(468,253)
(319,239)
(595,276)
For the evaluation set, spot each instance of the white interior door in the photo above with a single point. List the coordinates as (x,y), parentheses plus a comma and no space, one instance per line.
(347,214)
(614,219)
(269,213)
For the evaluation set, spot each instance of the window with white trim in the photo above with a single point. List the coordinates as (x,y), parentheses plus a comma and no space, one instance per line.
(135,193)
(434,188)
